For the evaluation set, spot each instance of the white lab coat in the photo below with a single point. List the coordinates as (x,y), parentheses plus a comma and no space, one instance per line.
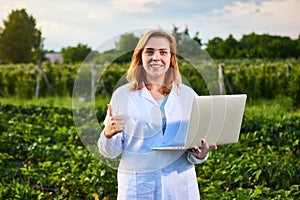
(150,174)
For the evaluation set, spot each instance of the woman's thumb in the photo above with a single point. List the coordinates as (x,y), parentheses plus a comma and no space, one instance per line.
(110,110)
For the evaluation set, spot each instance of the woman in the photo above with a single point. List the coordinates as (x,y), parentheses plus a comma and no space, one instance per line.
(153,109)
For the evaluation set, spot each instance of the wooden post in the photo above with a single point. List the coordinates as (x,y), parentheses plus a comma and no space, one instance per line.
(46,79)
(288,72)
(221,84)
(223,76)
(38,78)
(227,82)
(41,70)
(93,71)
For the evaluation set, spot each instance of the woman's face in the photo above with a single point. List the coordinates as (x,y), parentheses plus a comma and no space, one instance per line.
(156,58)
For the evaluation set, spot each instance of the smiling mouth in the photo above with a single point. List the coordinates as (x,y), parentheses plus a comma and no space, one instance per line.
(155,66)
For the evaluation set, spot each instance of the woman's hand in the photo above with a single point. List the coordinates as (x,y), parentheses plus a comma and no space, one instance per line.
(202,152)
(115,124)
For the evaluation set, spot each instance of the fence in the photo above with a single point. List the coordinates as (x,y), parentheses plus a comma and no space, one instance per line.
(257,80)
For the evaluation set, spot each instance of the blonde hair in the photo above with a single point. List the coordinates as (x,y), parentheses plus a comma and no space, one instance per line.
(136,73)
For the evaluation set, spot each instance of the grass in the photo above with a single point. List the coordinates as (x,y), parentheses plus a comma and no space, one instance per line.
(65,102)
(270,108)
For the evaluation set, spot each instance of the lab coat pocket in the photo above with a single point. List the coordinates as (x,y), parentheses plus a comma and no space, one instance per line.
(126,185)
(146,185)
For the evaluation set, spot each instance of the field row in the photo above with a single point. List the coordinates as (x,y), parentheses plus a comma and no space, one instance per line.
(42,157)
(259,79)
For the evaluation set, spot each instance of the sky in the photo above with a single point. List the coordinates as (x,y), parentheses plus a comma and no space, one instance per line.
(66,23)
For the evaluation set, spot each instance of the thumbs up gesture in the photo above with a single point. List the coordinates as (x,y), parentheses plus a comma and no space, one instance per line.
(114,125)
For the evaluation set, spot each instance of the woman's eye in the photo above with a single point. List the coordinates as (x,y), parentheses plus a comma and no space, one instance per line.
(163,52)
(149,52)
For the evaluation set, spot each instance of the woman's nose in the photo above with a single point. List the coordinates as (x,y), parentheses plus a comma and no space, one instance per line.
(156,55)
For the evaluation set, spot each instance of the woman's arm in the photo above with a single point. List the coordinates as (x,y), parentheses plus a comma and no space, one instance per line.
(110,143)
(194,160)
(110,148)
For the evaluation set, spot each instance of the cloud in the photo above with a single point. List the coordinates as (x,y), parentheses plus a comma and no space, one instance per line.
(99,15)
(274,17)
(91,22)
(237,10)
(134,6)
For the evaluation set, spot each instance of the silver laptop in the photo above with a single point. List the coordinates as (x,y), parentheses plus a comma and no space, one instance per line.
(216,118)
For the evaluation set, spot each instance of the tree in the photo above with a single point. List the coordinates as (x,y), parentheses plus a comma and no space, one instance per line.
(215,47)
(298,46)
(127,43)
(19,39)
(186,46)
(75,54)
(248,45)
(125,47)
(230,47)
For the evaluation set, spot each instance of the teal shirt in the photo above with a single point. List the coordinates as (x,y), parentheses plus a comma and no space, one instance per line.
(162,103)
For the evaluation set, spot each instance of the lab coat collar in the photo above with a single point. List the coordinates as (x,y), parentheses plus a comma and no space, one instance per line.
(145,92)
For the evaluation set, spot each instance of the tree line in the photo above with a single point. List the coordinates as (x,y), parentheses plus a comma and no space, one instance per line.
(22,42)
(254,46)
(250,46)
